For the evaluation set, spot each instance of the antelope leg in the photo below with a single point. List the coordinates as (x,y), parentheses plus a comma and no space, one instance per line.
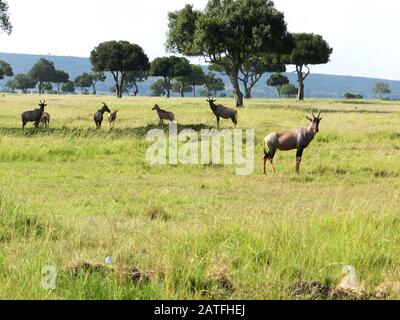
(271,162)
(265,166)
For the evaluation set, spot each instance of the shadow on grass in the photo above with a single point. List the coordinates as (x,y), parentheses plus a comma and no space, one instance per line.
(69,132)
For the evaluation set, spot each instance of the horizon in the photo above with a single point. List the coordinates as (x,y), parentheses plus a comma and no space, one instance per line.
(205,64)
(374,59)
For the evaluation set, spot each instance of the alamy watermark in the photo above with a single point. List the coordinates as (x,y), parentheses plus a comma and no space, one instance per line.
(190,147)
(49,277)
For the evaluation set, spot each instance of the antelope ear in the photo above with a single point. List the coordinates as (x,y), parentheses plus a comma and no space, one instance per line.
(309,119)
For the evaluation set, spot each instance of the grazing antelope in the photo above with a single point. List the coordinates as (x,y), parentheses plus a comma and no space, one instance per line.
(298,139)
(45,119)
(223,112)
(33,116)
(163,114)
(112,117)
(98,116)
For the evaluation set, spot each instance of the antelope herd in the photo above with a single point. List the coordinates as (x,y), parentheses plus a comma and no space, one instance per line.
(297,139)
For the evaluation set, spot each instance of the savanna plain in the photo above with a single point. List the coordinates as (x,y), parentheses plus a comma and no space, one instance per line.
(70,196)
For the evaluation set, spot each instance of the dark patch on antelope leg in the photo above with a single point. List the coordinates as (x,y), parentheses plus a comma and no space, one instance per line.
(299,156)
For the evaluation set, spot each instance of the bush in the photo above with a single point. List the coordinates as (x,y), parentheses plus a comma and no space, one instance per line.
(349,95)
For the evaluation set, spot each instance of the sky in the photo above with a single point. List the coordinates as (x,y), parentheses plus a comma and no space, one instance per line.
(361,32)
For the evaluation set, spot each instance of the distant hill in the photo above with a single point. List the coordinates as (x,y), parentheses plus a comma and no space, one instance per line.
(317,85)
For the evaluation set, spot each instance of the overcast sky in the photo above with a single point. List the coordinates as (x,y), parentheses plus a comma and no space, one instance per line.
(363,33)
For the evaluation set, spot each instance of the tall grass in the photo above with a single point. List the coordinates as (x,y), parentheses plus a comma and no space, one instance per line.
(72,196)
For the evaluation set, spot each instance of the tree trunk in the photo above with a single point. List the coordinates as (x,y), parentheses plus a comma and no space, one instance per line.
(135,93)
(300,78)
(167,87)
(194,91)
(300,95)
(94,89)
(248,93)
(237,93)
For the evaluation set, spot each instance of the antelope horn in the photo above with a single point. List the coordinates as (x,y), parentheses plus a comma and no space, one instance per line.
(312,114)
(319,114)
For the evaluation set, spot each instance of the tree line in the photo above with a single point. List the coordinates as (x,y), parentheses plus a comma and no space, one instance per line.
(243,39)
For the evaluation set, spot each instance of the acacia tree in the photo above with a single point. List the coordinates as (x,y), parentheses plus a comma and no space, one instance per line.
(59,78)
(83,81)
(253,69)
(5,24)
(24,82)
(277,80)
(309,49)
(68,87)
(119,58)
(188,83)
(289,90)
(213,84)
(10,84)
(381,89)
(158,88)
(227,33)
(5,70)
(181,88)
(134,78)
(170,68)
(43,72)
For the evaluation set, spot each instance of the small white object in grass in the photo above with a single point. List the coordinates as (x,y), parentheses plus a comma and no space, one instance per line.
(108,260)
(349,281)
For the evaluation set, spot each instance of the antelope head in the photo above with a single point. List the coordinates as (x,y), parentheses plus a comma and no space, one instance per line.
(105,108)
(42,104)
(315,121)
(211,101)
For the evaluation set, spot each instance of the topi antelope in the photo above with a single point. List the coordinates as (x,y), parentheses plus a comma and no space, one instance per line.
(33,116)
(297,139)
(112,117)
(98,116)
(163,114)
(223,112)
(45,119)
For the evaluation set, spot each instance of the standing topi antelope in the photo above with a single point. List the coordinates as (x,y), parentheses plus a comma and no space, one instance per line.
(223,112)
(98,116)
(33,116)
(163,114)
(112,117)
(298,139)
(45,119)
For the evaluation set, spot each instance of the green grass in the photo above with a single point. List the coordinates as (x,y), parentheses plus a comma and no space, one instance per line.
(71,195)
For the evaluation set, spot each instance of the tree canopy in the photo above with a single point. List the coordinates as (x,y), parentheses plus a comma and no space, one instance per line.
(5,70)
(170,68)
(83,81)
(277,80)
(119,58)
(43,72)
(227,33)
(60,77)
(381,89)
(213,85)
(5,23)
(289,90)
(188,83)
(133,79)
(158,88)
(68,87)
(24,82)
(309,49)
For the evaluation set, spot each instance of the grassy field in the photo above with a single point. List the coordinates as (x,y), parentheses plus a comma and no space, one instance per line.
(71,196)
